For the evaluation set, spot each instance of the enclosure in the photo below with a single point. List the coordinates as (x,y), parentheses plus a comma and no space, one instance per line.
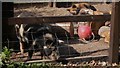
(64,26)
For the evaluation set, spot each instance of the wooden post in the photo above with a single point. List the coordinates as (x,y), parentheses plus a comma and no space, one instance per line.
(0,27)
(54,3)
(114,36)
(50,4)
(7,12)
(71,30)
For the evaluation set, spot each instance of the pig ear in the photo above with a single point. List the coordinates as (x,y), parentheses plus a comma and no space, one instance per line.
(74,6)
(90,7)
(17,26)
(93,8)
(29,29)
(68,9)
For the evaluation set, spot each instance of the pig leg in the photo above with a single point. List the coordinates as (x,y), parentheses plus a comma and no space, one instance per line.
(39,43)
(30,52)
(54,55)
(21,48)
(42,53)
(46,49)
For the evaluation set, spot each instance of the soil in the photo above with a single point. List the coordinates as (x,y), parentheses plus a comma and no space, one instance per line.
(53,11)
(67,50)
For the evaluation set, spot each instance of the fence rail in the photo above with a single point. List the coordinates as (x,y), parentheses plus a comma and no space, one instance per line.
(37,1)
(57,19)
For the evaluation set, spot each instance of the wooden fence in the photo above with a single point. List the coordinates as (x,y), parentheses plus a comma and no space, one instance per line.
(114,36)
(57,19)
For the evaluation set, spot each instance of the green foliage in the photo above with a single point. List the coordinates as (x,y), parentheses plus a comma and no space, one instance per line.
(6,63)
(5,56)
(24,65)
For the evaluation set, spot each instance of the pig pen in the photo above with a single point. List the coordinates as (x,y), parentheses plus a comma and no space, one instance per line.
(71,48)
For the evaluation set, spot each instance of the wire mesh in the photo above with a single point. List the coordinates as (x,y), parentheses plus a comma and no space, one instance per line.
(63,50)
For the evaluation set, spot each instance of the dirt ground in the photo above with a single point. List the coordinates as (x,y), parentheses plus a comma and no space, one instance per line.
(51,11)
(72,48)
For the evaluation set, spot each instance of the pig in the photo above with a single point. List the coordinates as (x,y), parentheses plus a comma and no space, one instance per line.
(75,8)
(36,36)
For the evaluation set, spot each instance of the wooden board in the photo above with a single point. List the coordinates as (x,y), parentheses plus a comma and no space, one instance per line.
(114,36)
(73,58)
(57,19)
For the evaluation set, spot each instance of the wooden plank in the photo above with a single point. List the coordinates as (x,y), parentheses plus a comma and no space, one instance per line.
(73,58)
(0,27)
(57,19)
(84,57)
(114,36)
(25,1)
(7,12)
(37,61)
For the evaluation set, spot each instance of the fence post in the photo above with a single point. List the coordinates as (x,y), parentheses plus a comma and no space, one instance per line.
(114,34)
(54,3)
(0,27)
(50,4)
(7,30)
